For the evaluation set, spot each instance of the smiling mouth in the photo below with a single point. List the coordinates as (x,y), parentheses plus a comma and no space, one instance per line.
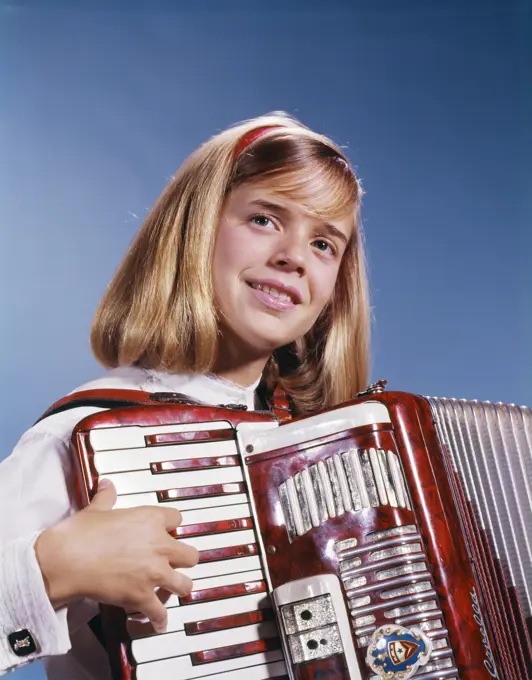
(280,295)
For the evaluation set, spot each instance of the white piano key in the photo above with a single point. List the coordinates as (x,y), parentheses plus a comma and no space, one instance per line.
(167,645)
(132,436)
(136,499)
(218,581)
(202,611)
(125,460)
(227,566)
(215,514)
(225,540)
(253,667)
(138,482)
(228,579)
(272,670)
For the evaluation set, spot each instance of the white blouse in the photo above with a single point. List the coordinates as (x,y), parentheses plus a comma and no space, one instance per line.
(37,491)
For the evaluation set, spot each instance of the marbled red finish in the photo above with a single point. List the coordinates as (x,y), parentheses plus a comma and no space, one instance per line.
(166,466)
(314,552)
(212,527)
(198,491)
(332,668)
(228,553)
(221,653)
(437,512)
(223,592)
(188,437)
(233,621)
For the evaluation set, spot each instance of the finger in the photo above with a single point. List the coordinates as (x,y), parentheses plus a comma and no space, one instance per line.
(172,518)
(182,555)
(155,611)
(176,582)
(163,595)
(105,497)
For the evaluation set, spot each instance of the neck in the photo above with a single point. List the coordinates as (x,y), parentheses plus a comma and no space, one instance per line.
(244,375)
(242,372)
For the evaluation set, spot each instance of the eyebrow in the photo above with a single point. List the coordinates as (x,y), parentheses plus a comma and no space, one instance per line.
(268,205)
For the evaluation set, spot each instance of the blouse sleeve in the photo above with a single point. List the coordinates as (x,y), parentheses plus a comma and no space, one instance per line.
(36,492)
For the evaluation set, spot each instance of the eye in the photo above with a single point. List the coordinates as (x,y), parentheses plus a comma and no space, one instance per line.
(262,221)
(325,246)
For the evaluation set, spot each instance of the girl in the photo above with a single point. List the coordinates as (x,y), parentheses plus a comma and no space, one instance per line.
(247,275)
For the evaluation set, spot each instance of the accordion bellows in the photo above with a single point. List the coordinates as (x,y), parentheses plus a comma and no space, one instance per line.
(387,538)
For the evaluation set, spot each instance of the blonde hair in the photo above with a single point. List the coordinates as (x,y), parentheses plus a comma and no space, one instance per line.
(159,311)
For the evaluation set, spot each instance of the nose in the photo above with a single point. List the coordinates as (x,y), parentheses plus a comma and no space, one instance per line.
(290,254)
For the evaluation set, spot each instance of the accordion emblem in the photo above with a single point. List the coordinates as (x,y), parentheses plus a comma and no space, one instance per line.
(395,650)
(386,538)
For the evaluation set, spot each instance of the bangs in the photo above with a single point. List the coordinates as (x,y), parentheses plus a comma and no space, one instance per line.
(325,189)
(304,169)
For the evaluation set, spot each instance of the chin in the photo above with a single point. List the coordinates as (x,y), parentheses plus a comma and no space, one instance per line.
(266,344)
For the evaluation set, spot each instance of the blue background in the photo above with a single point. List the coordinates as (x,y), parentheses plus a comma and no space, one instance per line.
(100,104)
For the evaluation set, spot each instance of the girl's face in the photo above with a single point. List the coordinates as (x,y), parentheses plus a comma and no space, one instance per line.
(274,269)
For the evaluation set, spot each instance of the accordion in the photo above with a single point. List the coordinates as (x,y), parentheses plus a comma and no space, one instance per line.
(383,539)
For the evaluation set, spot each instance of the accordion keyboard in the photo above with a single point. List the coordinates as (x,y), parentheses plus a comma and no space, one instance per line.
(226,625)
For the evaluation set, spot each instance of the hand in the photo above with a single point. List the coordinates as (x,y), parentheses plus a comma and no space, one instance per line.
(116,556)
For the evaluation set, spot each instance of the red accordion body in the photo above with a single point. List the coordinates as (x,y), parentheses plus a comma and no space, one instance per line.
(346,544)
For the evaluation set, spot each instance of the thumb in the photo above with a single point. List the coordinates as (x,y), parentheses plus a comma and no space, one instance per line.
(105,497)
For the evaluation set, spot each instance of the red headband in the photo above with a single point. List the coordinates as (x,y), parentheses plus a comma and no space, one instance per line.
(248,139)
(251,136)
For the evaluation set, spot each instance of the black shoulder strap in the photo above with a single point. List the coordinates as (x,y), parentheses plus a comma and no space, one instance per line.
(115,398)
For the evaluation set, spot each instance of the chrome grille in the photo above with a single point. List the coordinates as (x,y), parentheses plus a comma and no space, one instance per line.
(349,481)
(388,578)
(439,670)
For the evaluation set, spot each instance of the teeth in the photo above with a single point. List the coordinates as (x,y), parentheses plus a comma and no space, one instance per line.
(272,291)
